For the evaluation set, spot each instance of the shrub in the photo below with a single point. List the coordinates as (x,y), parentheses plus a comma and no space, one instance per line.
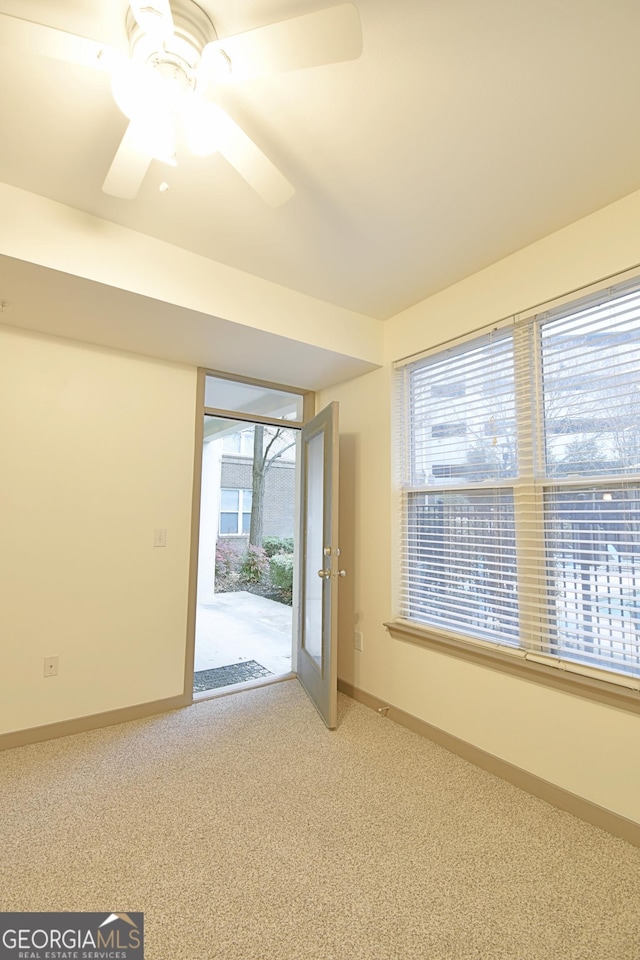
(281,574)
(227,574)
(254,565)
(275,545)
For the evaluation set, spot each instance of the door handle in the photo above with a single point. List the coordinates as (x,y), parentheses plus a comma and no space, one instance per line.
(325,574)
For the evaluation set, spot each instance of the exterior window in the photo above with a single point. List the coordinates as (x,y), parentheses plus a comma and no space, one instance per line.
(521,487)
(235,511)
(240,442)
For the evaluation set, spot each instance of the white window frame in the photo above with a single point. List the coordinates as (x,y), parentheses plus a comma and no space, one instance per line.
(242,496)
(244,443)
(530,659)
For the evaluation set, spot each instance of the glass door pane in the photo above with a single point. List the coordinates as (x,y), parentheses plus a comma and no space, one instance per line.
(313,555)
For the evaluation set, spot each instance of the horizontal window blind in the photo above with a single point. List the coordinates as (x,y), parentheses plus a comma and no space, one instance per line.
(521,485)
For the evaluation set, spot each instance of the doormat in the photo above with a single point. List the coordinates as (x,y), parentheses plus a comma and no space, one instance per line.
(224,676)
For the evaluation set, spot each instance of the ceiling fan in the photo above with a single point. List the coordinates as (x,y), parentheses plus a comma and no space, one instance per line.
(166,82)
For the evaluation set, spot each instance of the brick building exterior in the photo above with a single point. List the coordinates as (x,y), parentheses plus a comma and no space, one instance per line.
(279,496)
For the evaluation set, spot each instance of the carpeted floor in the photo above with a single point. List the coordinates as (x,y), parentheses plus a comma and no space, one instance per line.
(218,677)
(246,831)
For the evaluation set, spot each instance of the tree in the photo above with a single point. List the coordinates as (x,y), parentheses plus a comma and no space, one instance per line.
(582,456)
(486,460)
(269,444)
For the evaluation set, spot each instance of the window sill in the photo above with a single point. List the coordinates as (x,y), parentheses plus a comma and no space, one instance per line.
(514,662)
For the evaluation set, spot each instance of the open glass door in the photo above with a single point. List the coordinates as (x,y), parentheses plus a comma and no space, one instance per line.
(317,654)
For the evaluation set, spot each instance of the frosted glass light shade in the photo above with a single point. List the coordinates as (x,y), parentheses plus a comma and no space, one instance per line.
(151,103)
(155,135)
(201,121)
(136,89)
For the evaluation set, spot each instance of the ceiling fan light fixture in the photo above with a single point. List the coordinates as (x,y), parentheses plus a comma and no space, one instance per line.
(155,136)
(153,102)
(174,56)
(202,126)
(135,89)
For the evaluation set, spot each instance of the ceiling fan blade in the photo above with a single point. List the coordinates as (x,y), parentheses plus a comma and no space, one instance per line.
(326,36)
(251,163)
(154,18)
(128,168)
(36,38)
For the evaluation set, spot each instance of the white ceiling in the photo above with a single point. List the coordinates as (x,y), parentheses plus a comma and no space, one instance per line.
(465,131)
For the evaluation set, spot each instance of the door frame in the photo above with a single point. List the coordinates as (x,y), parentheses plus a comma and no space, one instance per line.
(308,411)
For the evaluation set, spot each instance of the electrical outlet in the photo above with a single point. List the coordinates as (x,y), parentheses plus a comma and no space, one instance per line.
(357,640)
(50,667)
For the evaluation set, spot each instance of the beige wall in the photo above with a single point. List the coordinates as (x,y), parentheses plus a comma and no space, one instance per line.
(97,451)
(586,748)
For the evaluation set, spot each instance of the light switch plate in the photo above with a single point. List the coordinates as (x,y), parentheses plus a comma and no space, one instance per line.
(160,537)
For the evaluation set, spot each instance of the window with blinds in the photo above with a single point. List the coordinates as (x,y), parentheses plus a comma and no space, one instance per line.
(521,486)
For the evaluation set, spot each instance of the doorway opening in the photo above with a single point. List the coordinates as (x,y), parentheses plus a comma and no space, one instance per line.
(249,522)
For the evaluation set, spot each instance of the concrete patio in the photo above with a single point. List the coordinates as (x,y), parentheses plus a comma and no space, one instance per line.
(235,627)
